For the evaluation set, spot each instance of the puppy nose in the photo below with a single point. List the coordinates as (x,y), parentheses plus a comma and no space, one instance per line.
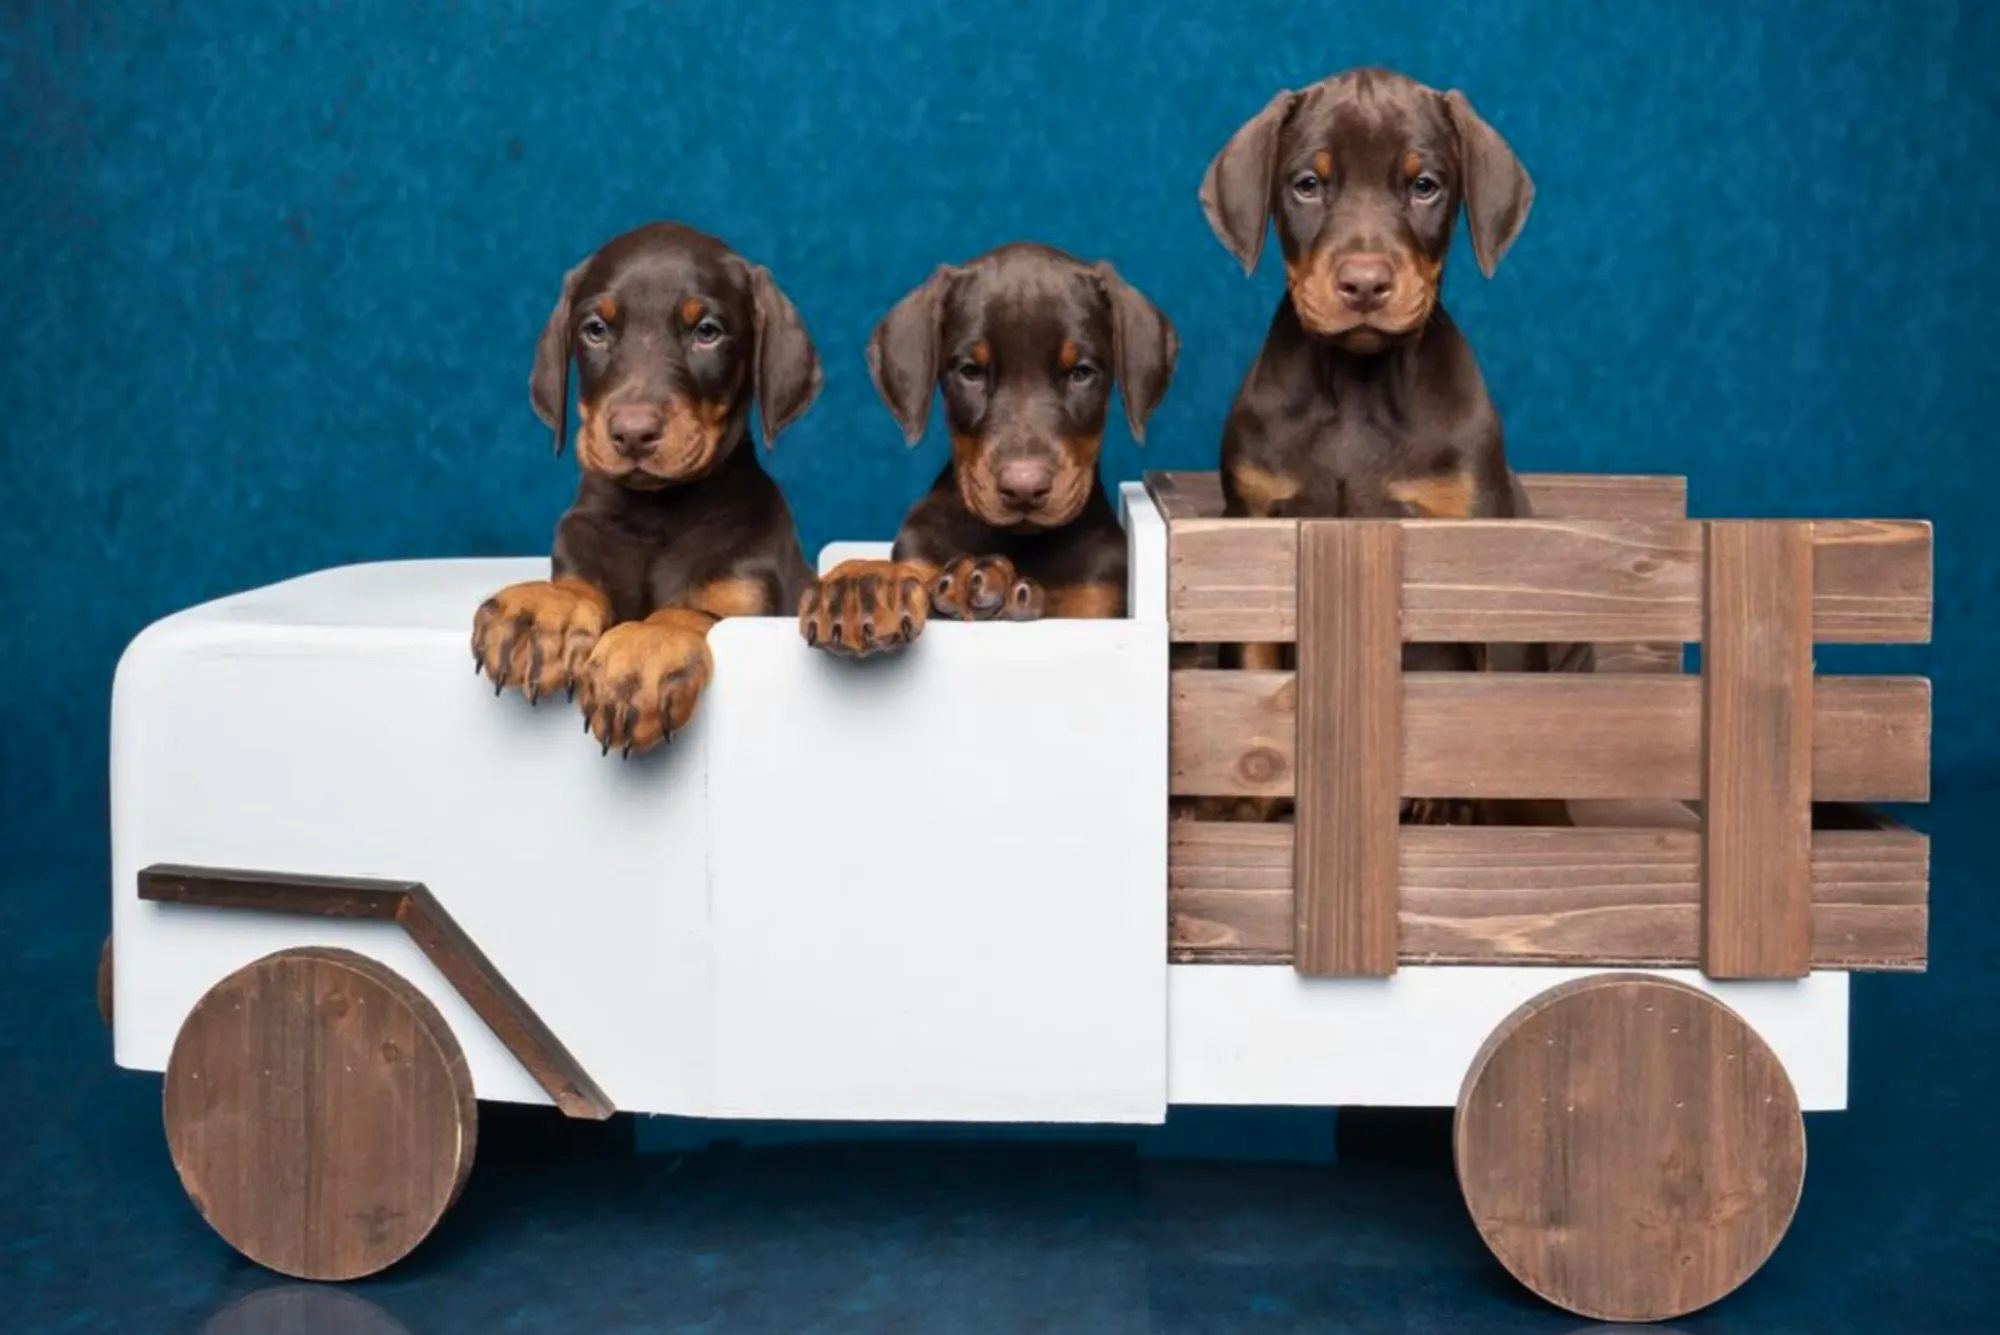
(634,428)
(1364,282)
(1025,482)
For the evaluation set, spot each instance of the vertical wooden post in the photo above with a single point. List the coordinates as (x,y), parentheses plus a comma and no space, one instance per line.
(1757,714)
(1349,756)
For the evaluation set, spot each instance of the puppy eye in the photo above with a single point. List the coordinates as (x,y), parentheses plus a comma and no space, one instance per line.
(971,372)
(594,330)
(708,333)
(1082,374)
(1425,188)
(1306,185)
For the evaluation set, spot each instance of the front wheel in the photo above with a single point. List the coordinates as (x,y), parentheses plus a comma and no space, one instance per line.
(320,1113)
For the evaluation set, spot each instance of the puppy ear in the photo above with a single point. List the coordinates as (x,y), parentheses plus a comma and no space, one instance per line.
(1236,189)
(1144,348)
(548,383)
(788,372)
(1498,193)
(903,353)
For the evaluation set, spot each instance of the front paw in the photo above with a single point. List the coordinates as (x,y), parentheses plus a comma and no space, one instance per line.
(535,637)
(641,683)
(865,607)
(985,588)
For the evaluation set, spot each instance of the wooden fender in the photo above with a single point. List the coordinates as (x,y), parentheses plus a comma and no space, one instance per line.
(320,1113)
(1629,1148)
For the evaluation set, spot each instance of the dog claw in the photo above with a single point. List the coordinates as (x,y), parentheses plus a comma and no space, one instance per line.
(572,693)
(626,754)
(607,747)
(499,685)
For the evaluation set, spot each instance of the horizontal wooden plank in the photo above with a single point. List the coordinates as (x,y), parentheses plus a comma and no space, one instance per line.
(1622,736)
(1651,657)
(1544,580)
(1551,495)
(1872,582)
(1595,897)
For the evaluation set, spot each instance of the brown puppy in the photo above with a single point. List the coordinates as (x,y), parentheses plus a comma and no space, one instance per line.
(675,523)
(1024,342)
(1366,401)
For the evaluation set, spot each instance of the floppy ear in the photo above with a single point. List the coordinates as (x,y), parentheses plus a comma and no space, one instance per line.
(548,383)
(1498,193)
(788,372)
(1236,189)
(1144,348)
(903,353)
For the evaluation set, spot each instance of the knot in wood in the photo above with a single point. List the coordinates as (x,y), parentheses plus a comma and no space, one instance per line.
(1260,765)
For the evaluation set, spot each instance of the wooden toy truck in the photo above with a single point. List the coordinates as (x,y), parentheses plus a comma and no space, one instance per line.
(354,892)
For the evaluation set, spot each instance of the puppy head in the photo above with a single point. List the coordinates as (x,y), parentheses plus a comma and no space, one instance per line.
(1364,174)
(1025,343)
(673,335)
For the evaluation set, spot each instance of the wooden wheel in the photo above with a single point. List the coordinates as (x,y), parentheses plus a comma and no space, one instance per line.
(106,1004)
(320,1113)
(1629,1148)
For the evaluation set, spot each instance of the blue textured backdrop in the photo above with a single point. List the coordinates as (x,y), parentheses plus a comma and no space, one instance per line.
(273,272)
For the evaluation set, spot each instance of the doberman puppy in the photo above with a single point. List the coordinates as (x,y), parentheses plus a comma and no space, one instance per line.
(1024,342)
(675,523)
(1365,400)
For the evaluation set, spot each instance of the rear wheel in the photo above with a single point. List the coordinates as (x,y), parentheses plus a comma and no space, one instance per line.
(1629,1148)
(320,1113)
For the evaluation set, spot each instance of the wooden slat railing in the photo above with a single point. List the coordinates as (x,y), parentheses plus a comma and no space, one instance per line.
(1756,740)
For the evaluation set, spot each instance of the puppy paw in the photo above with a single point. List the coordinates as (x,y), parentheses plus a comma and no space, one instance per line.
(535,637)
(865,607)
(985,588)
(641,682)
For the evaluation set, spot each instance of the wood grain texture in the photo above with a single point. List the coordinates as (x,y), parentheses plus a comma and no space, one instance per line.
(1550,579)
(410,905)
(1629,1148)
(320,1113)
(107,1009)
(1872,582)
(1500,735)
(1757,761)
(1189,495)
(1348,707)
(1608,897)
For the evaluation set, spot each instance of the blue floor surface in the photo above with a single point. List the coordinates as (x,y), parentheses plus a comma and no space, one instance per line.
(565,1229)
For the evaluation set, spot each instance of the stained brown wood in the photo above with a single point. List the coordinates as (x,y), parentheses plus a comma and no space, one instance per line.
(411,906)
(320,1113)
(1350,669)
(1868,586)
(106,990)
(1629,1148)
(1183,495)
(1547,580)
(1757,751)
(1606,897)
(1653,657)
(1499,735)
